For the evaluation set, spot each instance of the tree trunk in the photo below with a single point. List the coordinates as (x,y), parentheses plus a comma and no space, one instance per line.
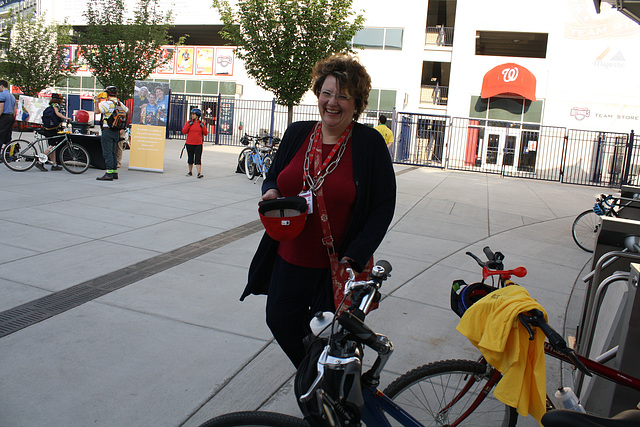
(289,114)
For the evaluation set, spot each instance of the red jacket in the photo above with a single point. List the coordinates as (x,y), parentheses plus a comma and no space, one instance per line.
(195,132)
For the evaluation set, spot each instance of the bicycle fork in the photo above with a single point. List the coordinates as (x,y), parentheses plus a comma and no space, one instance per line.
(493,380)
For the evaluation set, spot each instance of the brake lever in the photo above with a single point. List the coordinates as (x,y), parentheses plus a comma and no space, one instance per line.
(309,394)
(478,260)
(524,319)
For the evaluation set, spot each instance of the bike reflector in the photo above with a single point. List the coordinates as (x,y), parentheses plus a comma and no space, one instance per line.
(283,218)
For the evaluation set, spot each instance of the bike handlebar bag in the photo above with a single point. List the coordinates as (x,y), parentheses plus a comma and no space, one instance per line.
(283,218)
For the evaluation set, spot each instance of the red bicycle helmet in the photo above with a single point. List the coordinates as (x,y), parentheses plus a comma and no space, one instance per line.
(283,218)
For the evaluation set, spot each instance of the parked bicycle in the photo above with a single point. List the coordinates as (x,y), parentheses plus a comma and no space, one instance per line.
(257,157)
(20,155)
(586,226)
(454,392)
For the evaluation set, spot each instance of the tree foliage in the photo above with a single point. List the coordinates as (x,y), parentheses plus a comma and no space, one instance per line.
(281,40)
(34,54)
(120,49)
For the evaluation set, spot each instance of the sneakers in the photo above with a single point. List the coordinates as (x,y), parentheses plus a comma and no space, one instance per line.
(56,168)
(41,167)
(105,177)
(189,174)
(200,175)
(114,175)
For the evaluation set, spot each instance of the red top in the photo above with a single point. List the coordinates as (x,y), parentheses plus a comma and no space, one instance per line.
(195,132)
(339,190)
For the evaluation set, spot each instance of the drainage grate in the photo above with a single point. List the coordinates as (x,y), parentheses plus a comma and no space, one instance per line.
(35,311)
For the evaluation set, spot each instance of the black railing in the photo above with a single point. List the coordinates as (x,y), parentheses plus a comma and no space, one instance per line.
(598,158)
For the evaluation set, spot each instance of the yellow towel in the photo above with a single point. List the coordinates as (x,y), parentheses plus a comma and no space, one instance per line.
(492,325)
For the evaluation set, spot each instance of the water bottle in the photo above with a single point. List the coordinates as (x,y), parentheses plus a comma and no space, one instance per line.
(320,324)
(567,399)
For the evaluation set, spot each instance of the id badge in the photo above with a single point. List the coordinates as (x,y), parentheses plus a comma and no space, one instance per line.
(308,196)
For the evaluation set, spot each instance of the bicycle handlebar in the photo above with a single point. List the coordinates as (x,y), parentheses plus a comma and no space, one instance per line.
(536,318)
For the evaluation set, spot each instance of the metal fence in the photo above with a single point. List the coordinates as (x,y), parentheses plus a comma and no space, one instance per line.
(520,150)
(235,117)
(514,149)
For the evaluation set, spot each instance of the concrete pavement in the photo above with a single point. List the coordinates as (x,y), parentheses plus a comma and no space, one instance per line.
(165,341)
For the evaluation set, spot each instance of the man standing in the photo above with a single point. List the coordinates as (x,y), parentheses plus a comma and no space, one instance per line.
(384,130)
(110,137)
(8,116)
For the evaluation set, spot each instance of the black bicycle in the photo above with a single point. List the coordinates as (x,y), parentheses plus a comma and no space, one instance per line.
(20,155)
(586,226)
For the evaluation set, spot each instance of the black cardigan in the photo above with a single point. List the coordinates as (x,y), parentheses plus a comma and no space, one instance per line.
(375,202)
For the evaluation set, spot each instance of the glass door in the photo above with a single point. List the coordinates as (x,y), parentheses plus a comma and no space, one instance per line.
(501,148)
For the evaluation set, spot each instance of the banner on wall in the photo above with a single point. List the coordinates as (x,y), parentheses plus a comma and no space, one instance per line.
(149,123)
(30,109)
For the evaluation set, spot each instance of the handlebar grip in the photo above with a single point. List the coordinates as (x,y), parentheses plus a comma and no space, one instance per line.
(489,253)
(361,332)
(381,269)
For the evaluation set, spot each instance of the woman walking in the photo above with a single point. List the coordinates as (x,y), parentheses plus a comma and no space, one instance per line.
(195,131)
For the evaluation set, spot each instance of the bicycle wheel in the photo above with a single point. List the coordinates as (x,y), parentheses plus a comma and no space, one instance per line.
(426,393)
(19,156)
(74,158)
(585,230)
(268,160)
(255,418)
(249,167)
(241,159)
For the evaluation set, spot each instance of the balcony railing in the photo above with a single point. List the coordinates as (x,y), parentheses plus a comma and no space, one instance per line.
(439,36)
(434,95)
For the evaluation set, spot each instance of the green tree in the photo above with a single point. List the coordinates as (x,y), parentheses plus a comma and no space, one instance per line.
(34,54)
(281,40)
(121,50)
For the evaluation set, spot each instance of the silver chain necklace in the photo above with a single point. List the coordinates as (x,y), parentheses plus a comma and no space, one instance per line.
(316,183)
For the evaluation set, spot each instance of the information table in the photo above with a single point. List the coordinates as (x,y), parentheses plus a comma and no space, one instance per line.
(93,146)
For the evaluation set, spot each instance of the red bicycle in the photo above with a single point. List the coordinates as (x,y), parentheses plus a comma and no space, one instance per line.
(458,392)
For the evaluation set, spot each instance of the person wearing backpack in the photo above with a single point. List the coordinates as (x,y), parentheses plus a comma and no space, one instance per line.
(114,119)
(52,118)
(195,131)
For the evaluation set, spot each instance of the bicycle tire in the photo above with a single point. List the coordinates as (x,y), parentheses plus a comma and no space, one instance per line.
(249,167)
(585,230)
(255,418)
(19,156)
(74,158)
(268,161)
(241,160)
(426,390)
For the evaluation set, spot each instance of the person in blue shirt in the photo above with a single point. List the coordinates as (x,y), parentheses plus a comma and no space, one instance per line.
(8,117)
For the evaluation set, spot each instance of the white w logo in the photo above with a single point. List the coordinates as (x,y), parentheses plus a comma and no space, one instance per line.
(510,74)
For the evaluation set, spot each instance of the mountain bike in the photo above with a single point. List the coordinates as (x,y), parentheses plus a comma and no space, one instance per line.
(258,156)
(332,390)
(20,155)
(452,392)
(586,226)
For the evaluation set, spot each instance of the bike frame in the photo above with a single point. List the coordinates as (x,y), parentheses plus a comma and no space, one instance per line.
(257,157)
(40,141)
(377,404)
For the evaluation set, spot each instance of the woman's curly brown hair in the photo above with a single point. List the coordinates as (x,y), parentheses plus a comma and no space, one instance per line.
(351,76)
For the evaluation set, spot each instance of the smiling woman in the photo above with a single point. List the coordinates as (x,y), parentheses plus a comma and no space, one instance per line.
(344,172)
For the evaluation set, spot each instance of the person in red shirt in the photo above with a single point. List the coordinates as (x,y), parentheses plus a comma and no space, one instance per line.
(342,168)
(195,131)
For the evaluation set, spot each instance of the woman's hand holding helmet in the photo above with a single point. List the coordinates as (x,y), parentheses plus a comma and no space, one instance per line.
(272,193)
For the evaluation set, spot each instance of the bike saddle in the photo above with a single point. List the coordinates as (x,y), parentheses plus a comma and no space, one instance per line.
(567,418)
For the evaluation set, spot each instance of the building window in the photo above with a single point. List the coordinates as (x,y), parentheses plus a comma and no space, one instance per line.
(379,38)
(507,43)
(383,100)
(506,109)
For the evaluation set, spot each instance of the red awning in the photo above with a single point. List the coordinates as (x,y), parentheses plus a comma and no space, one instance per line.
(509,79)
